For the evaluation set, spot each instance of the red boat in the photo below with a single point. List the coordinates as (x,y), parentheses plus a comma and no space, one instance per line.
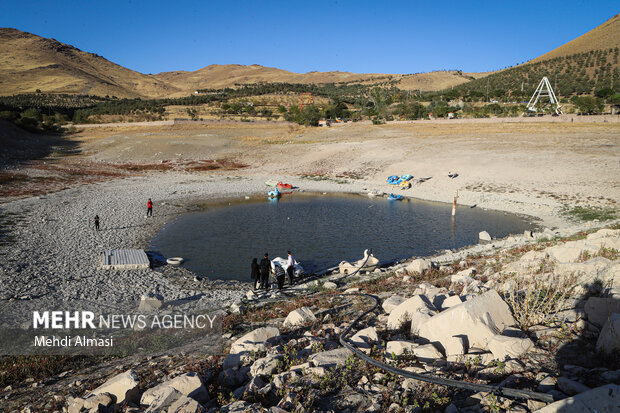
(281,185)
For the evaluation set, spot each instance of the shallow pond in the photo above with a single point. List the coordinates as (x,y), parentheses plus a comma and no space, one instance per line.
(322,230)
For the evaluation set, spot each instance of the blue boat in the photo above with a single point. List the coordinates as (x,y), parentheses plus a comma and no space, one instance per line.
(392,197)
(274,194)
(394,180)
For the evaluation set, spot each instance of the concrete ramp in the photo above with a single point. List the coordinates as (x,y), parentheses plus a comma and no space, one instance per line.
(125,259)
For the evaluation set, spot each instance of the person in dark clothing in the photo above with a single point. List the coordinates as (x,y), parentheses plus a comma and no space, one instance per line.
(265,269)
(97,222)
(149,208)
(255,273)
(279,272)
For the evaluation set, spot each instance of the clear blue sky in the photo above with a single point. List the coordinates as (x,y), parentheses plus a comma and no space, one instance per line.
(301,36)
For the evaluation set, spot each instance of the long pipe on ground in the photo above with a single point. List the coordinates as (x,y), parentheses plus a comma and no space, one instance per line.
(477,387)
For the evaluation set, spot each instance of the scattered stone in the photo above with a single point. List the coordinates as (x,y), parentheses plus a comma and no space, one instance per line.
(255,340)
(484,236)
(391,303)
(609,338)
(503,347)
(265,366)
(171,400)
(299,317)
(571,387)
(232,378)
(399,347)
(365,339)
(150,302)
(417,308)
(418,266)
(454,346)
(603,399)
(94,400)
(463,277)
(330,358)
(427,353)
(123,387)
(328,285)
(188,384)
(451,302)
(478,319)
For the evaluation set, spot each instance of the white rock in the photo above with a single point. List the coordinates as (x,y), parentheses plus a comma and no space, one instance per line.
(150,302)
(122,386)
(603,399)
(427,353)
(188,384)
(463,277)
(609,339)
(399,347)
(454,346)
(571,251)
(250,295)
(391,303)
(171,400)
(265,366)
(299,317)
(478,319)
(330,358)
(513,347)
(365,339)
(94,400)
(330,285)
(418,266)
(416,305)
(484,236)
(451,302)
(255,340)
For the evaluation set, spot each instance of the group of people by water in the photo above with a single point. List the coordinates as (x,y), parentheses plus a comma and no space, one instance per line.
(149,213)
(260,272)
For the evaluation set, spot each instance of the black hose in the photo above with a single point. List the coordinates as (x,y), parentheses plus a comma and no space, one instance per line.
(502,391)
(477,387)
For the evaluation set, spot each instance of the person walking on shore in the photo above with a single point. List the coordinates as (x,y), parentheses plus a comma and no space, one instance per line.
(290,267)
(96,222)
(255,273)
(149,208)
(265,268)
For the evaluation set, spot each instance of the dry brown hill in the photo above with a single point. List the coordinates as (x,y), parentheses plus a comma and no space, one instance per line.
(220,76)
(605,36)
(29,62)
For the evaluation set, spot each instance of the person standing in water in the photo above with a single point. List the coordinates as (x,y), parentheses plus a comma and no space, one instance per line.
(290,267)
(96,222)
(149,208)
(265,268)
(255,273)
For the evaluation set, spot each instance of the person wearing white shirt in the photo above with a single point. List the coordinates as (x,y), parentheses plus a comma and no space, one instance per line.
(290,267)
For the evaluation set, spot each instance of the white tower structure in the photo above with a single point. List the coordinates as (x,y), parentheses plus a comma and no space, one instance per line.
(544,90)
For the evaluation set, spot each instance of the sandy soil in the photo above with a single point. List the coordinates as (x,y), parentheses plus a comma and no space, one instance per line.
(534,167)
